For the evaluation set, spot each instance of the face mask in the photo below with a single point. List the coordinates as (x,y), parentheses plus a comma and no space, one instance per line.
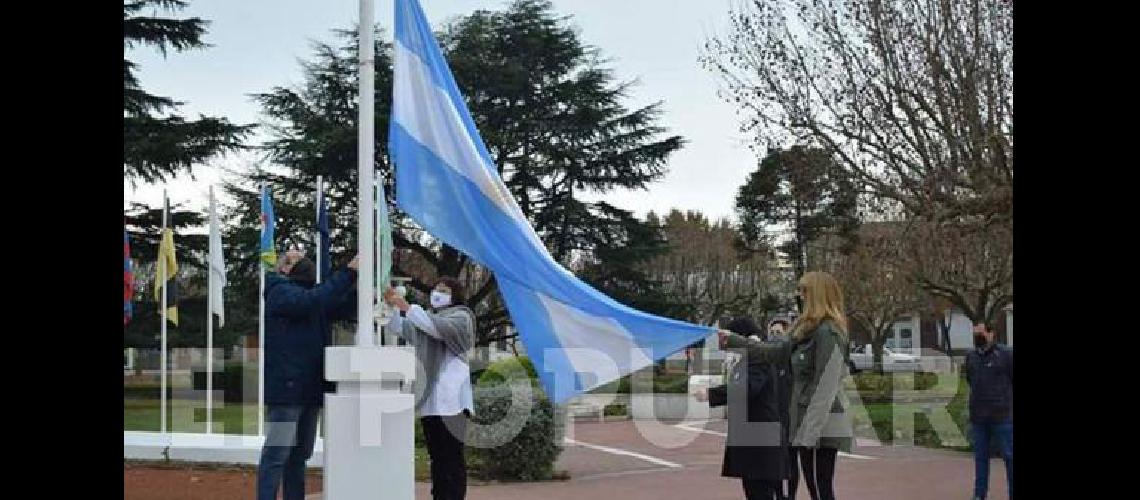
(980,341)
(440,299)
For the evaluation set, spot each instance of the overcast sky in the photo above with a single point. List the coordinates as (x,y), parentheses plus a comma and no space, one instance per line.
(257,44)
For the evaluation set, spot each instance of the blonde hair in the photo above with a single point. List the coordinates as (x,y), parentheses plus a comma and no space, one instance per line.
(822,300)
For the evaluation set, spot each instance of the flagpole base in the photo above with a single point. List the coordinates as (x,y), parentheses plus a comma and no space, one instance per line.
(369,445)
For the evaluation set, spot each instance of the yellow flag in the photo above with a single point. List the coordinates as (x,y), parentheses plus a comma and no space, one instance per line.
(166,254)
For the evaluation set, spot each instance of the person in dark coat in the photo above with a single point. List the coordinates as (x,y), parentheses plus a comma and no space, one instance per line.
(989,371)
(820,423)
(756,448)
(778,330)
(298,313)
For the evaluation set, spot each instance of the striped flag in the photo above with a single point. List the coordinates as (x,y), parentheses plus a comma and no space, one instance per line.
(128,280)
(268,225)
(577,337)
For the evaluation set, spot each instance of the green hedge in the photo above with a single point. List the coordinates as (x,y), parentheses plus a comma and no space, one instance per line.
(879,387)
(665,383)
(526,456)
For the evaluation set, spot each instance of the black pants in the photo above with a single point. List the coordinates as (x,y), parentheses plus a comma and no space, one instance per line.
(793,472)
(762,489)
(444,438)
(819,470)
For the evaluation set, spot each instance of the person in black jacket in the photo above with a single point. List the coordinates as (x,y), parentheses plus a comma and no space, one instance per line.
(756,447)
(989,371)
(779,329)
(297,329)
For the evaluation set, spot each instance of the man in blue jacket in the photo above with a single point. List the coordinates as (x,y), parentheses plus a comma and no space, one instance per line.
(298,313)
(989,371)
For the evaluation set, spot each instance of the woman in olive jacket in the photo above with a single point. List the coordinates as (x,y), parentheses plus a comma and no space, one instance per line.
(756,448)
(820,426)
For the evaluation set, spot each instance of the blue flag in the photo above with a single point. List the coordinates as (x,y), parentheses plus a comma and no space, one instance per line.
(577,337)
(323,231)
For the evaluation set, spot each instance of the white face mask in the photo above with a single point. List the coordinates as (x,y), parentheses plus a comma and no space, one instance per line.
(440,299)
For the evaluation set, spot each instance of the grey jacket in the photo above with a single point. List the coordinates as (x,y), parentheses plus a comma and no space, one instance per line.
(456,327)
(818,409)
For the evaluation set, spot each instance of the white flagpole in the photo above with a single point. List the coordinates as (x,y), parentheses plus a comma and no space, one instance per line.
(261,340)
(319,240)
(366,275)
(210,321)
(163,279)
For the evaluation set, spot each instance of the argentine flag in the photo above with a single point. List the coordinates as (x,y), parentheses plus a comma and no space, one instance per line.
(577,337)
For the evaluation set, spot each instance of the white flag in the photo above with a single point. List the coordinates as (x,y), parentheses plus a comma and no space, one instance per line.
(217,267)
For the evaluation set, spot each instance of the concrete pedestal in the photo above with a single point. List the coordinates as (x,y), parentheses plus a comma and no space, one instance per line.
(370,428)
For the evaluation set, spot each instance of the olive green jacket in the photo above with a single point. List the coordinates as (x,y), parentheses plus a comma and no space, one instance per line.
(818,410)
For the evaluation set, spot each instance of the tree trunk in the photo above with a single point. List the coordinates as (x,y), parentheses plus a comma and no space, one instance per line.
(877,349)
(944,331)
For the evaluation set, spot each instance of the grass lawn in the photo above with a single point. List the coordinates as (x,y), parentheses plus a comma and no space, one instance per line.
(915,418)
(189,416)
(230,418)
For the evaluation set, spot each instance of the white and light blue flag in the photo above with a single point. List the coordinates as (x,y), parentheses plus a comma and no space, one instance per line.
(577,337)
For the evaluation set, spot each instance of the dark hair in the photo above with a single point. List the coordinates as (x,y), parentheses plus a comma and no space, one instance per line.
(746,327)
(304,272)
(458,294)
(780,322)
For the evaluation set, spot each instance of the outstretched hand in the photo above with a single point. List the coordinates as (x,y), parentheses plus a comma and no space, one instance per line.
(394,298)
(722,337)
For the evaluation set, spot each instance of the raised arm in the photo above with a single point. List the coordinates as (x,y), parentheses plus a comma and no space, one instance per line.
(294,301)
(775,351)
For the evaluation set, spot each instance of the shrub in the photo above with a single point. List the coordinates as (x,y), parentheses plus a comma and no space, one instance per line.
(506,369)
(527,455)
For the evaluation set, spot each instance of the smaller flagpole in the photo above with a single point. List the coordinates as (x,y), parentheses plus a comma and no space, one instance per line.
(162,305)
(320,250)
(261,337)
(320,240)
(210,321)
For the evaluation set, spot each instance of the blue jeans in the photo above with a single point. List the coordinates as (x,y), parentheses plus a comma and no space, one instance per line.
(982,432)
(290,432)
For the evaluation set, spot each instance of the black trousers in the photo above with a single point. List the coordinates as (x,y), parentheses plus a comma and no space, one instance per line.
(793,472)
(762,489)
(819,471)
(444,438)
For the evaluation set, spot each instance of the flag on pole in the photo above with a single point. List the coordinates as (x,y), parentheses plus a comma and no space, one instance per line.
(323,233)
(577,337)
(128,280)
(268,224)
(166,254)
(384,244)
(217,267)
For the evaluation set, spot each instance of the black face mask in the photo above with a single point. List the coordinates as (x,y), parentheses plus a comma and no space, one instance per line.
(980,341)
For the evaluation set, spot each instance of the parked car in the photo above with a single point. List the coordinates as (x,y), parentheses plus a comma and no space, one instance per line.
(863,358)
